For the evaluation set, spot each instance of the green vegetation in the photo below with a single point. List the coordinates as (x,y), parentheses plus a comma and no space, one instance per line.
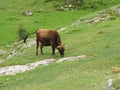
(11,16)
(116,84)
(99,41)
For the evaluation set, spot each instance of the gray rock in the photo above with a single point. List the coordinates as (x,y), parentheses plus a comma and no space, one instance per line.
(109,85)
(27,13)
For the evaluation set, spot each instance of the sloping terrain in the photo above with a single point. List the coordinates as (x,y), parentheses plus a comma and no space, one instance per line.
(94,33)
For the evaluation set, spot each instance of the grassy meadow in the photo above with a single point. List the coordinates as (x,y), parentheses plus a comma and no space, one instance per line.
(99,41)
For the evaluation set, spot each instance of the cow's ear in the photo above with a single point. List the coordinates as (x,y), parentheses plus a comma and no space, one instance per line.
(65,45)
(58,47)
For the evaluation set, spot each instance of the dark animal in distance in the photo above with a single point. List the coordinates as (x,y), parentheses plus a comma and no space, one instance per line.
(46,37)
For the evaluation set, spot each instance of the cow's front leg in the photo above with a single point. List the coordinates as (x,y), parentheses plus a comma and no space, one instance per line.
(53,50)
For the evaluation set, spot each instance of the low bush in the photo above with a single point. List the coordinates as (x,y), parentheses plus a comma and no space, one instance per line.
(21,33)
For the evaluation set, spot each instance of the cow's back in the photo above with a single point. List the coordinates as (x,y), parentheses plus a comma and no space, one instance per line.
(42,33)
(46,36)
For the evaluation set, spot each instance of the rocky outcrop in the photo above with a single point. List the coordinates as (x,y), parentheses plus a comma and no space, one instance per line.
(111,14)
(12,70)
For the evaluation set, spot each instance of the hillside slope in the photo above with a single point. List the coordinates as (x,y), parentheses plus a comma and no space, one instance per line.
(94,34)
(44,15)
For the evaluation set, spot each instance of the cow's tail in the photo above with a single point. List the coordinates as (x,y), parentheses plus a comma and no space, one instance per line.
(27,36)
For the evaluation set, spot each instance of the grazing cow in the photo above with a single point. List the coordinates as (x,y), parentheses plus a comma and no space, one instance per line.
(51,38)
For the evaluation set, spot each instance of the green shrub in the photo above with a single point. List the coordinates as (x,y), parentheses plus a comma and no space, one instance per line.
(21,34)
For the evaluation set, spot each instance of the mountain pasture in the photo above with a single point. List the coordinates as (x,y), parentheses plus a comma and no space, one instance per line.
(99,41)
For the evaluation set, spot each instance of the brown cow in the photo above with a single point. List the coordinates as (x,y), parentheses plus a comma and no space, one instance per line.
(51,38)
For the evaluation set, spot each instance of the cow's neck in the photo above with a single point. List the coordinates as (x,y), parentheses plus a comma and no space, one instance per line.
(59,43)
(58,40)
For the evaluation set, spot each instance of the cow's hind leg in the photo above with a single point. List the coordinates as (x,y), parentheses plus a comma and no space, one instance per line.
(41,46)
(37,45)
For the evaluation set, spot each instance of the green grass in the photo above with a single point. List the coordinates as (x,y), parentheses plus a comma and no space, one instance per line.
(99,41)
(81,74)
(92,72)
(50,20)
(12,18)
(89,39)
(116,84)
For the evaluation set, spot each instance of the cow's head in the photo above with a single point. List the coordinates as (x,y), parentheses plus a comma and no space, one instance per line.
(61,49)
